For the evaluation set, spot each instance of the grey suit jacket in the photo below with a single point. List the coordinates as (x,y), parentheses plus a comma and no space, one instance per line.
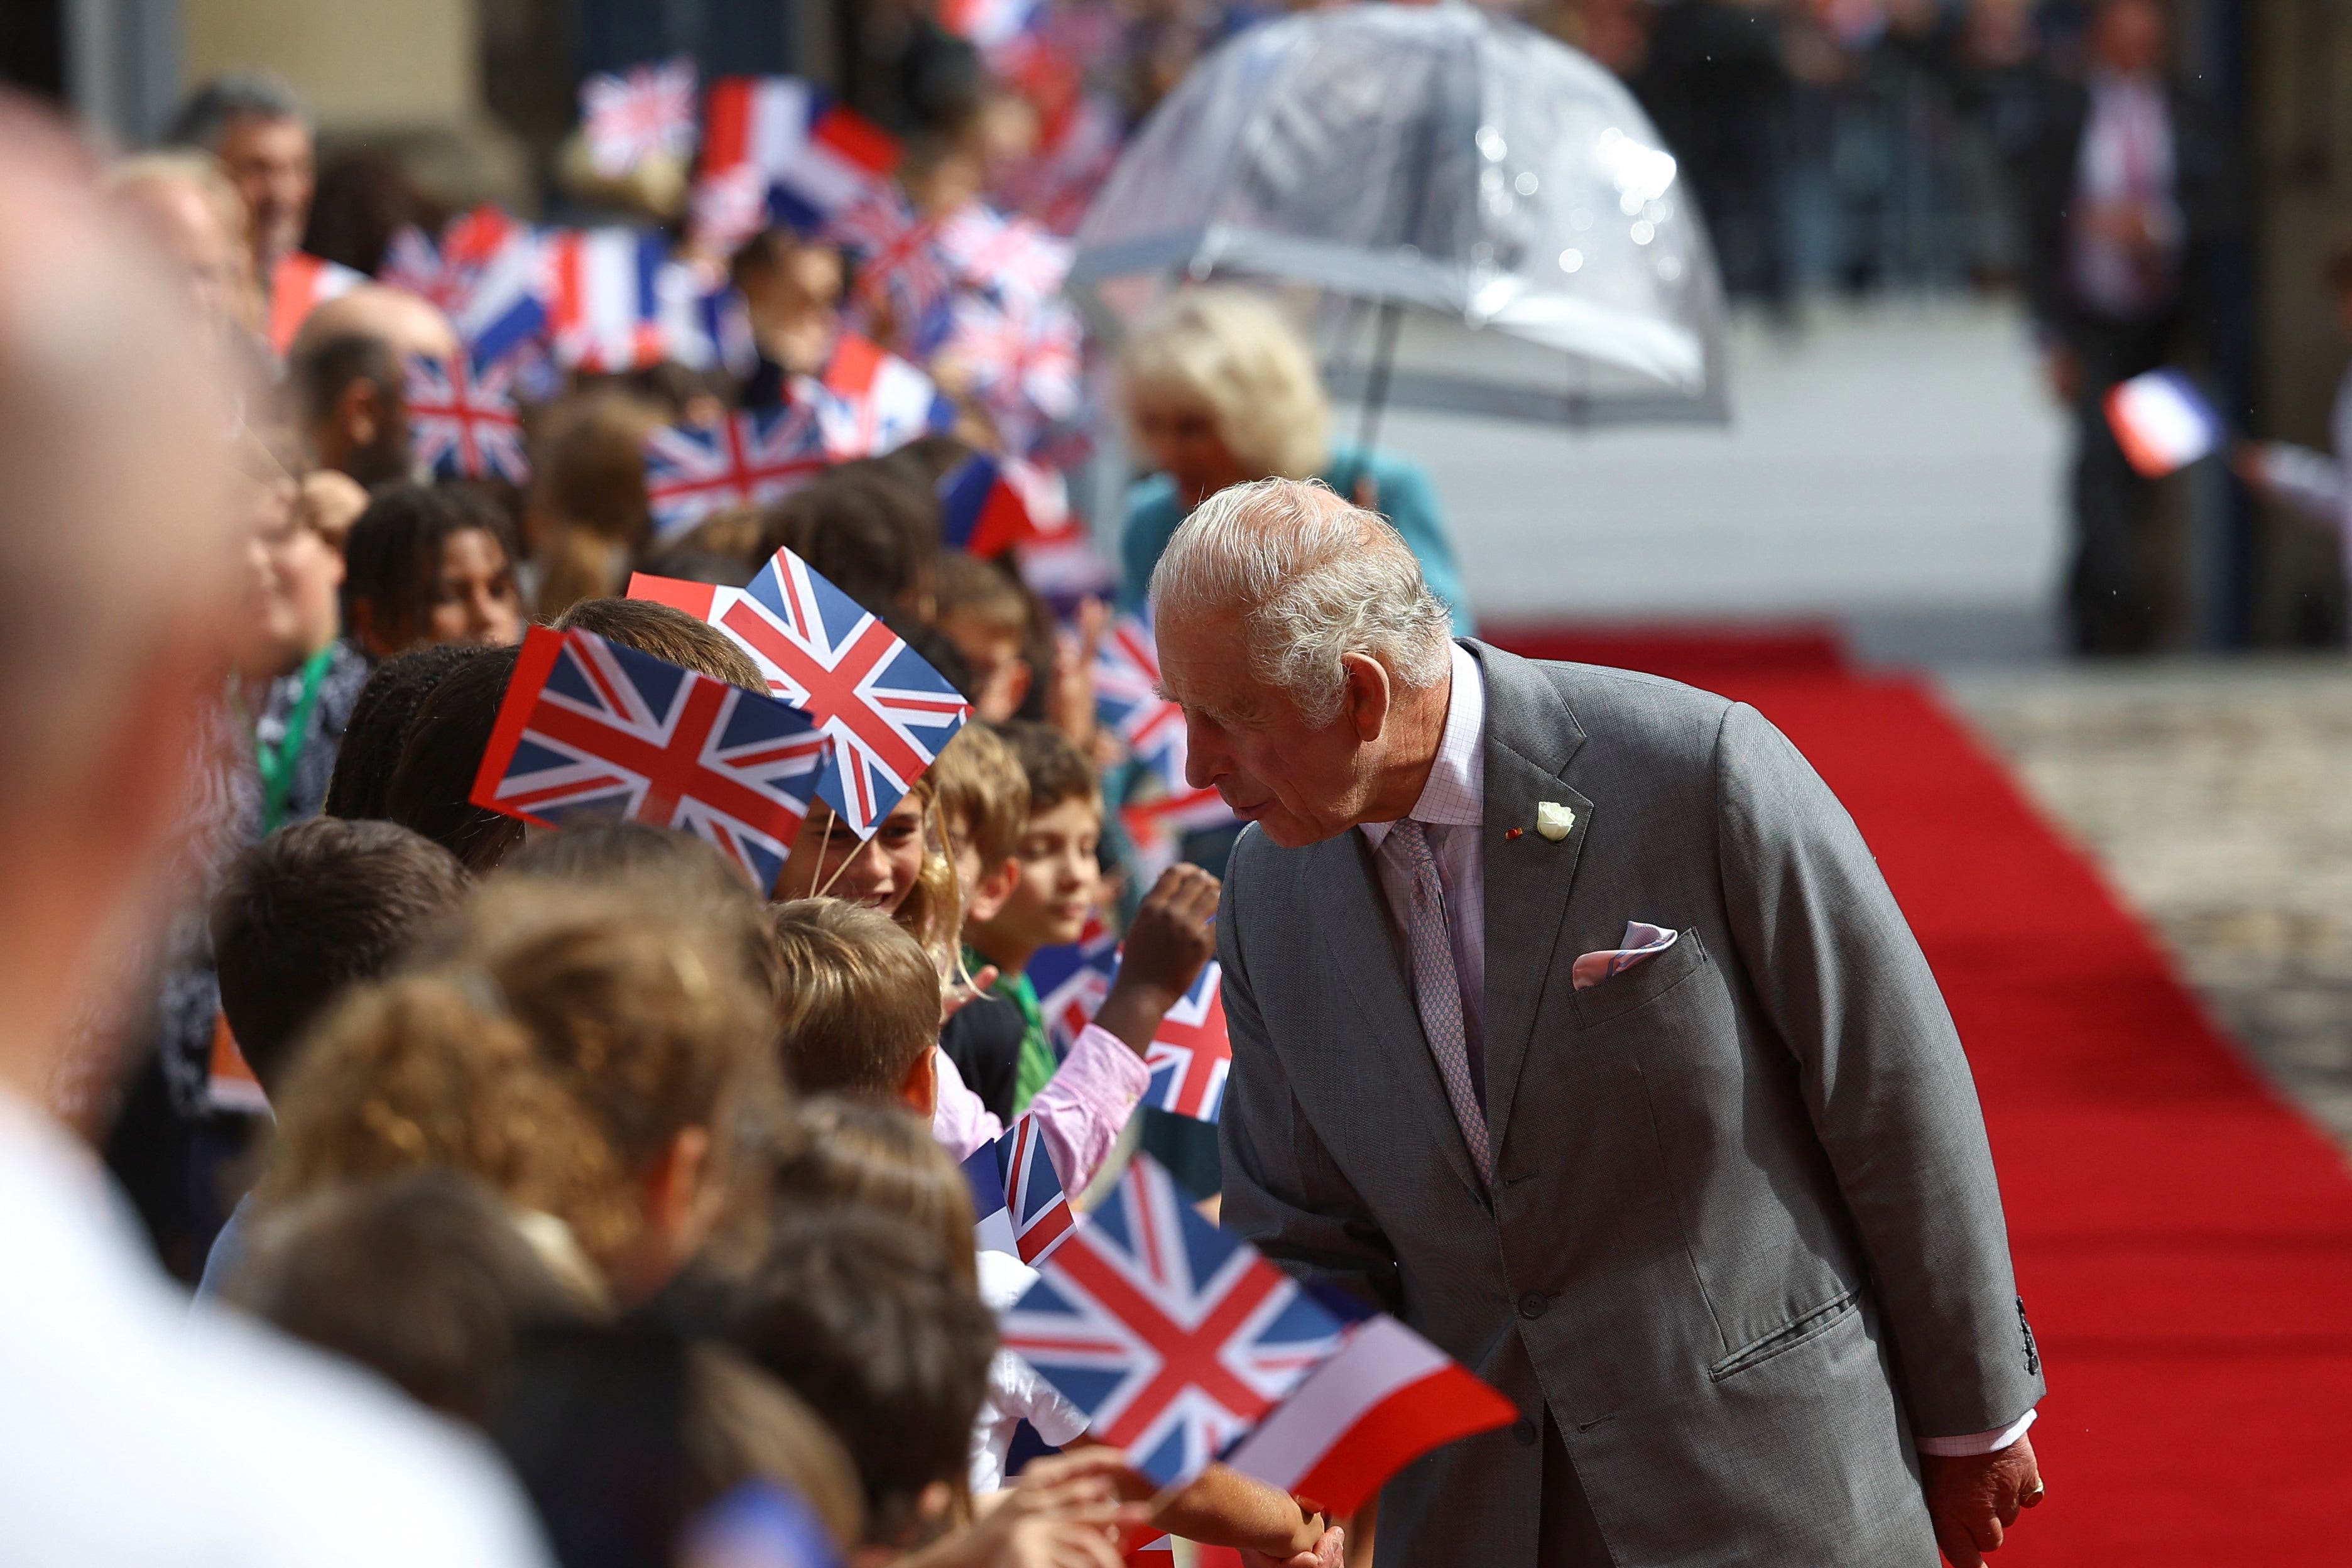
(1743,1238)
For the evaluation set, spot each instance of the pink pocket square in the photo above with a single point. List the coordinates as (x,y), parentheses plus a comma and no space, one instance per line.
(1643,943)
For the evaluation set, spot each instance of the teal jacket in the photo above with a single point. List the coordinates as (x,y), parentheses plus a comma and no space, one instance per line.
(1401,492)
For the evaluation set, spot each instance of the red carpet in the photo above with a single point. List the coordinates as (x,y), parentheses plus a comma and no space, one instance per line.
(2183,1239)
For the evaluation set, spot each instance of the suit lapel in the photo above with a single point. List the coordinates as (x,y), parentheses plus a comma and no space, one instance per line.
(1345,890)
(1530,737)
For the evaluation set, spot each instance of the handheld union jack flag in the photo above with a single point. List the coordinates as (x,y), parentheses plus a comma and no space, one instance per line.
(1174,1338)
(1071,982)
(485,275)
(646,113)
(1023,362)
(462,421)
(1013,1178)
(869,401)
(1014,260)
(1192,1053)
(749,458)
(900,272)
(591,731)
(1127,700)
(885,709)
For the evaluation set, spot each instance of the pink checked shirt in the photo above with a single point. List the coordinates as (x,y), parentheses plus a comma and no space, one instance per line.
(1080,1112)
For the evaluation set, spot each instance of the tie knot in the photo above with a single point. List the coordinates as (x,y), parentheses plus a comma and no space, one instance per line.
(1410,841)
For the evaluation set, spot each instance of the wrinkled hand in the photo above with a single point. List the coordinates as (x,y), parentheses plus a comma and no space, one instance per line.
(1974,1500)
(1166,944)
(1064,1513)
(1329,1551)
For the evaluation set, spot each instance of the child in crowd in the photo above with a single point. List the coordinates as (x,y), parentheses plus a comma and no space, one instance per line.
(428,1277)
(431,786)
(670,634)
(866,531)
(379,724)
(1057,886)
(983,799)
(430,564)
(586,514)
(992,621)
(595,1053)
(301,916)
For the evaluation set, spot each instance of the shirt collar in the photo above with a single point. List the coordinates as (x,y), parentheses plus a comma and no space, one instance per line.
(1456,792)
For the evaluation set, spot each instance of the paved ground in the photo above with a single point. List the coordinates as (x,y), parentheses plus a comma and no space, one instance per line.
(2218,798)
(1892,467)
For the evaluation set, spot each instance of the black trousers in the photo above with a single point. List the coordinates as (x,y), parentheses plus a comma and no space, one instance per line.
(2116,582)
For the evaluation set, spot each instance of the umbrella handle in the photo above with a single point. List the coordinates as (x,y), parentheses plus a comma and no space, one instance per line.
(1376,384)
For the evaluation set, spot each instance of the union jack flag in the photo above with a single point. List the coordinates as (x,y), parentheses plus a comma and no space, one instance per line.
(885,709)
(1029,1189)
(749,458)
(870,401)
(589,729)
(1011,258)
(1024,361)
(462,421)
(485,275)
(646,113)
(899,268)
(1127,700)
(1071,982)
(1174,1338)
(1192,1053)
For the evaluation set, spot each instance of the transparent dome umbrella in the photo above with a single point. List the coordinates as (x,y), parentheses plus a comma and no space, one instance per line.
(1463,213)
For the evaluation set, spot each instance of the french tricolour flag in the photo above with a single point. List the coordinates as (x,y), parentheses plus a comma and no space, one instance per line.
(1386,1399)
(869,401)
(2162,422)
(603,307)
(988,504)
(819,157)
(299,284)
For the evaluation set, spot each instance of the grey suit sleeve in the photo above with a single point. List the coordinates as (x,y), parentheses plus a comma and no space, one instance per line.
(1283,1192)
(1836,966)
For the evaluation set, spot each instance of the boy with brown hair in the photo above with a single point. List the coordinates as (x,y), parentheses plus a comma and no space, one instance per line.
(670,634)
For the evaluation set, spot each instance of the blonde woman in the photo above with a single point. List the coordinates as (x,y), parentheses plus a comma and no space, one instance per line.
(1221,391)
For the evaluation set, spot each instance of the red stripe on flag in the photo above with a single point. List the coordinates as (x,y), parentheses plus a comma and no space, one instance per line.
(540,647)
(697,599)
(1446,1405)
(857,138)
(727,126)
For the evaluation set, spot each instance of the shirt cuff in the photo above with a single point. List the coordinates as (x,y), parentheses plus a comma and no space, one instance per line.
(1976,1442)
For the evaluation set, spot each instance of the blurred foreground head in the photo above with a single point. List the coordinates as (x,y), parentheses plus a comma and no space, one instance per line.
(118,558)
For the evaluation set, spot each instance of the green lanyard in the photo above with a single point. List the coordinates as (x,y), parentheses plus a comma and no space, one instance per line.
(277,763)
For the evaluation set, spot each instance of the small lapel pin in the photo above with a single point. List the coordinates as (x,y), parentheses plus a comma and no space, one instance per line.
(1510,833)
(1553,820)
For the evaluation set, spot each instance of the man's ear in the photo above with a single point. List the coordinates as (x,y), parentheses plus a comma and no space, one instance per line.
(1365,705)
(989,894)
(360,412)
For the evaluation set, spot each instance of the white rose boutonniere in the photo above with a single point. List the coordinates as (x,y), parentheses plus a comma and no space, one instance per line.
(1555,821)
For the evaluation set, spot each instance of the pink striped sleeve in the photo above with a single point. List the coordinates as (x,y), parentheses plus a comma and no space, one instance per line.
(1084,1106)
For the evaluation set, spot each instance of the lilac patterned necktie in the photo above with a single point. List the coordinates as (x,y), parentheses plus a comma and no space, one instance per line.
(1437,989)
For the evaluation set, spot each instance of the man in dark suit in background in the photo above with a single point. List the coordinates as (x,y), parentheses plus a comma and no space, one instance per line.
(2127,193)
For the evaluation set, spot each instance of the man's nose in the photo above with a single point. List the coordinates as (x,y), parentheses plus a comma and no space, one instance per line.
(1204,758)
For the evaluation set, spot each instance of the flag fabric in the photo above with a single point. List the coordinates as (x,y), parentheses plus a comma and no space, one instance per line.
(869,401)
(1174,1338)
(1025,363)
(1192,1053)
(2162,422)
(1011,259)
(885,710)
(900,272)
(988,504)
(727,207)
(990,25)
(642,113)
(485,274)
(983,1173)
(1388,1397)
(1072,980)
(1038,1214)
(462,421)
(605,307)
(590,730)
(1159,824)
(758,1524)
(749,458)
(818,157)
(299,284)
(1127,700)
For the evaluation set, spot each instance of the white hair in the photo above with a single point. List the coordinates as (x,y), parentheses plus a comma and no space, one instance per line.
(1314,580)
(1235,356)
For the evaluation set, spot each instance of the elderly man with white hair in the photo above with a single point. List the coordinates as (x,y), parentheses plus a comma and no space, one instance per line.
(130,1433)
(1572,1023)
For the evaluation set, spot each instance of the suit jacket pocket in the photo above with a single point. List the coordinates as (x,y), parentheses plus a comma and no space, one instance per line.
(1796,1332)
(1643,984)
